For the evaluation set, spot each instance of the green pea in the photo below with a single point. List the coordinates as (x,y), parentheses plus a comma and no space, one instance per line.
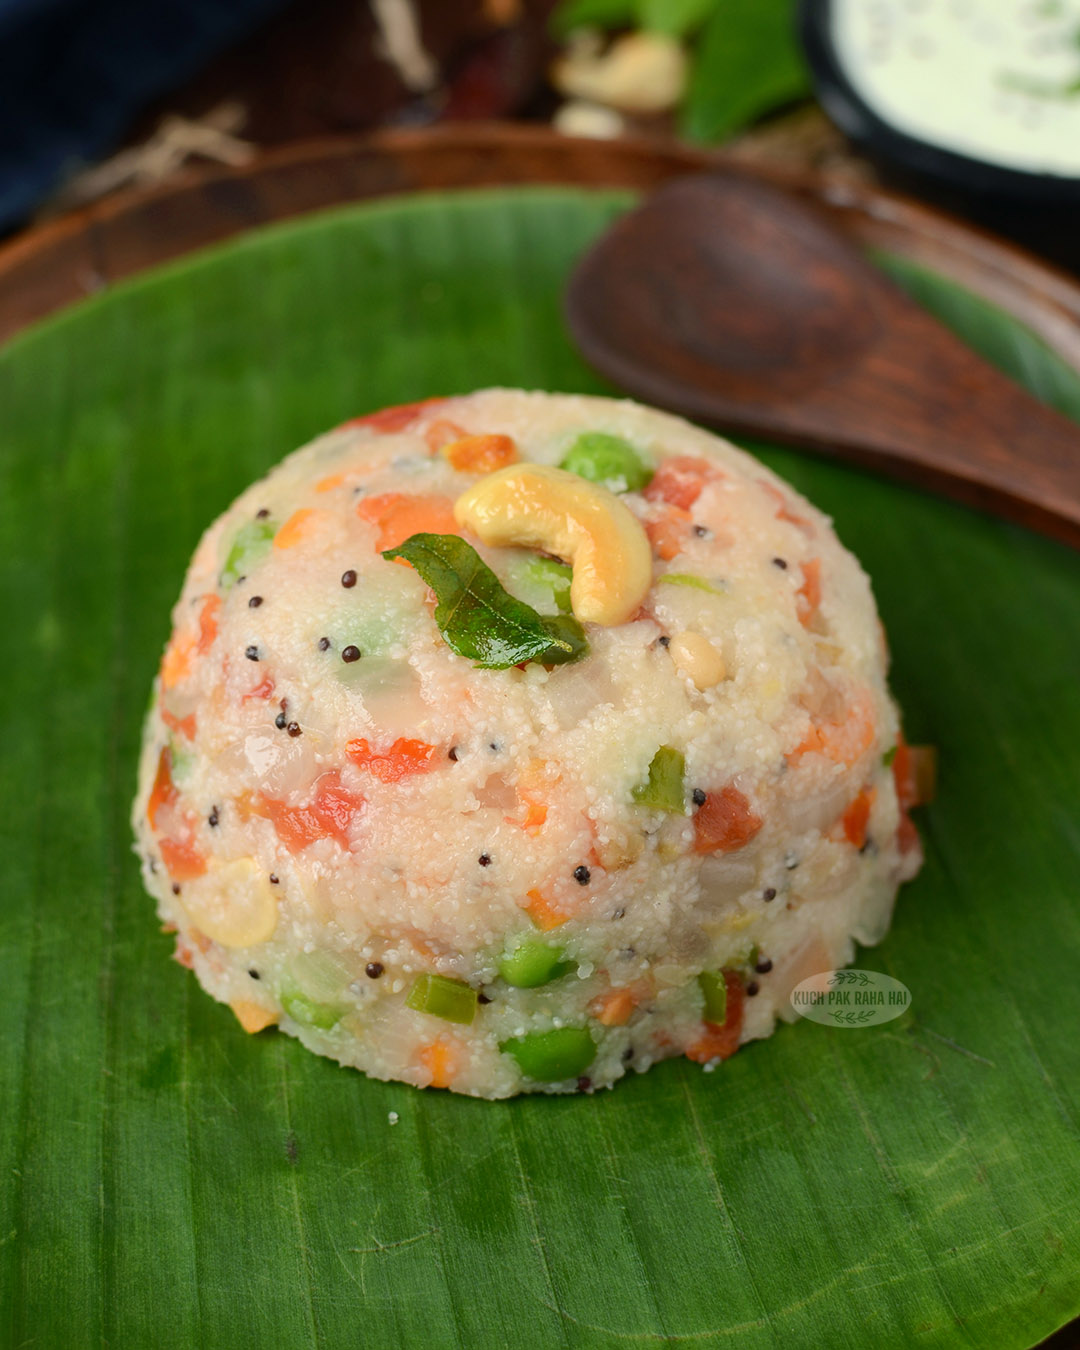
(531,962)
(664,790)
(551,1056)
(607,460)
(452,1000)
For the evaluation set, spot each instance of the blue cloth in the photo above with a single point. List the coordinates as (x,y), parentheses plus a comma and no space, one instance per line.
(74,73)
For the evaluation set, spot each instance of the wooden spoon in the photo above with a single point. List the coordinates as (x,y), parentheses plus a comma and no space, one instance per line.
(730,301)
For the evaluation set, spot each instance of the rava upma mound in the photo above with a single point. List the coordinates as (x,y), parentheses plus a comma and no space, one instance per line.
(507,742)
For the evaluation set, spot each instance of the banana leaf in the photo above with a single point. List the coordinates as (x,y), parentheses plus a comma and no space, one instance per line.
(167,1181)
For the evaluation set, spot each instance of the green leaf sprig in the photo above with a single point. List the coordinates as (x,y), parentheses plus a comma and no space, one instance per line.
(478,618)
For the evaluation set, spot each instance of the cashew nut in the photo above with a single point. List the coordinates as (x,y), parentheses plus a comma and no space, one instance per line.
(698,659)
(233,904)
(583,523)
(639,72)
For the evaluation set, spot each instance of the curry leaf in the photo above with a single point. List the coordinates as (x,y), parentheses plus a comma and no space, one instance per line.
(678,18)
(477,616)
(573,14)
(747,63)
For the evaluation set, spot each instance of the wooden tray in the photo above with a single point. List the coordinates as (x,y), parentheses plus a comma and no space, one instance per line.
(62,261)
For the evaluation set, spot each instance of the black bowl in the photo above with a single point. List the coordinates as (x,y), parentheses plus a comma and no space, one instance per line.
(974,186)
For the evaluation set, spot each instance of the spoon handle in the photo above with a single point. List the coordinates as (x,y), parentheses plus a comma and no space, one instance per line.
(921,406)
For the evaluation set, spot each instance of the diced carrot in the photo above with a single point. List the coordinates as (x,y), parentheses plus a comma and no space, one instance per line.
(845,740)
(679,480)
(330,482)
(182,858)
(184,956)
(784,508)
(613,1008)
(327,816)
(481,454)
(720,1042)
(905,767)
(812,743)
(724,822)
(668,532)
(440,1061)
(544,912)
(183,726)
(163,793)
(915,773)
(294,528)
(857,816)
(533,787)
(200,940)
(251,1016)
(809,593)
(263,690)
(402,760)
(208,623)
(441,433)
(397,516)
(535,816)
(396,418)
(183,647)
(903,774)
(176,663)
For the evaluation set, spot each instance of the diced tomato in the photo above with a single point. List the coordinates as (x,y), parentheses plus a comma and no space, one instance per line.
(327,816)
(183,726)
(397,516)
(724,822)
(481,454)
(163,793)
(182,858)
(720,1042)
(809,593)
(263,690)
(441,433)
(857,816)
(668,532)
(679,480)
(402,760)
(397,418)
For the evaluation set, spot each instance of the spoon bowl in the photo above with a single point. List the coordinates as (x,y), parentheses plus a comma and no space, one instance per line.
(730,300)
